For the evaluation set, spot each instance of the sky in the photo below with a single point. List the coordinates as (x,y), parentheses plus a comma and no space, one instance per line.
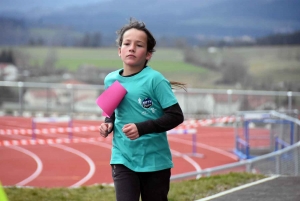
(21,5)
(229,17)
(27,5)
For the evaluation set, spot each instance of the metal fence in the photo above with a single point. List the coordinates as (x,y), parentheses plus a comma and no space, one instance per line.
(198,102)
(260,132)
(285,161)
(22,98)
(282,162)
(19,98)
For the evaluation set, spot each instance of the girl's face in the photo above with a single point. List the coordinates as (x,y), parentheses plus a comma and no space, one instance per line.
(133,50)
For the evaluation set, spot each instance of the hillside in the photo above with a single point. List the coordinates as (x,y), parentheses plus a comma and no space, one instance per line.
(196,20)
(260,68)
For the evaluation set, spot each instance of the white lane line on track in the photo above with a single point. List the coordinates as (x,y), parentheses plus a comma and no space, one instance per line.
(37,160)
(85,157)
(176,153)
(204,146)
(184,156)
(188,159)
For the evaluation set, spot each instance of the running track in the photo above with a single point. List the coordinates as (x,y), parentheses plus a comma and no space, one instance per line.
(54,160)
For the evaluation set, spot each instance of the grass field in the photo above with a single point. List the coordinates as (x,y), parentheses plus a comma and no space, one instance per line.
(72,58)
(270,64)
(265,64)
(170,62)
(179,191)
(275,64)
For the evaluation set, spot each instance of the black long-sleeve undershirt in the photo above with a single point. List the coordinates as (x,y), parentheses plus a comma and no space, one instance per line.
(171,118)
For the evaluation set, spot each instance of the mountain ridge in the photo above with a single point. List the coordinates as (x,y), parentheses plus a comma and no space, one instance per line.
(171,18)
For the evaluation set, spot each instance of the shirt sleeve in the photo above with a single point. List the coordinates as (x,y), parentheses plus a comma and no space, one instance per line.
(164,94)
(110,119)
(171,118)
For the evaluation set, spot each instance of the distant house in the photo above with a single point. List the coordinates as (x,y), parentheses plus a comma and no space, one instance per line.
(222,103)
(41,98)
(81,99)
(207,103)
(93,74)
(79,95)
(8,72)
(225,104)
(261,102)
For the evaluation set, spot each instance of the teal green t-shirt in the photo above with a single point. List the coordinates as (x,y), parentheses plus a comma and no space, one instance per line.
(148,93)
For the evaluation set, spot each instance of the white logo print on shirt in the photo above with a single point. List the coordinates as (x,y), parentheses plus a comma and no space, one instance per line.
(147,105)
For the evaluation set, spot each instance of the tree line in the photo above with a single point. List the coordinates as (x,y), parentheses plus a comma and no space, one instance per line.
(96,40)
(280,39)
(6,56)
(86,40)
(17,32)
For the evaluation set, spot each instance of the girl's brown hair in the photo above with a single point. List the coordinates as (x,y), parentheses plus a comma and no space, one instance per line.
(134,24)
(151,42)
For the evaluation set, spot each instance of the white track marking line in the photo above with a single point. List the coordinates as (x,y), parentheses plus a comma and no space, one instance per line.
(85,157)
(188,159)
(185,157)
(204,146)
(238,188)
(104,145)
(37,160)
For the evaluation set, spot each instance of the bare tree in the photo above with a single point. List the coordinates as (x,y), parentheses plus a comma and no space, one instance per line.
(234,70)
(49,63)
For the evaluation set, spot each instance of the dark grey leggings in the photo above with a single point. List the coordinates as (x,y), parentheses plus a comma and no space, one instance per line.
(130,185)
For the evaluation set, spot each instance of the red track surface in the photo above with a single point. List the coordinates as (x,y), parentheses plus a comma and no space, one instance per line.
(86,162)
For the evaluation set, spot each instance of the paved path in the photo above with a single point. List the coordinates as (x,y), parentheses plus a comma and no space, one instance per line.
(283,188)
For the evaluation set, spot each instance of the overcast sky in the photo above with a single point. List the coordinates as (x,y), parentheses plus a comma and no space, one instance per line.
(29,4)
(26,5)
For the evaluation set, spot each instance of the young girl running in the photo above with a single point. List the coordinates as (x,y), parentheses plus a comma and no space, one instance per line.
(141,158)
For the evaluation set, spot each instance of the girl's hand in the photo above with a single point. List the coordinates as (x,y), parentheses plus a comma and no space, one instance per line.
(131,131)
(105,129)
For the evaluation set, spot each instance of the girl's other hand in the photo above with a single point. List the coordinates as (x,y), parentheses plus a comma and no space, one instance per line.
(131,131)
(105,129)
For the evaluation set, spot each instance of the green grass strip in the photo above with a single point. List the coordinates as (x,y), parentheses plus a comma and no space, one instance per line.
(180,191)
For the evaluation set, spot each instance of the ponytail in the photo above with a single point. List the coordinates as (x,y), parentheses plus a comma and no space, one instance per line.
(175,84)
